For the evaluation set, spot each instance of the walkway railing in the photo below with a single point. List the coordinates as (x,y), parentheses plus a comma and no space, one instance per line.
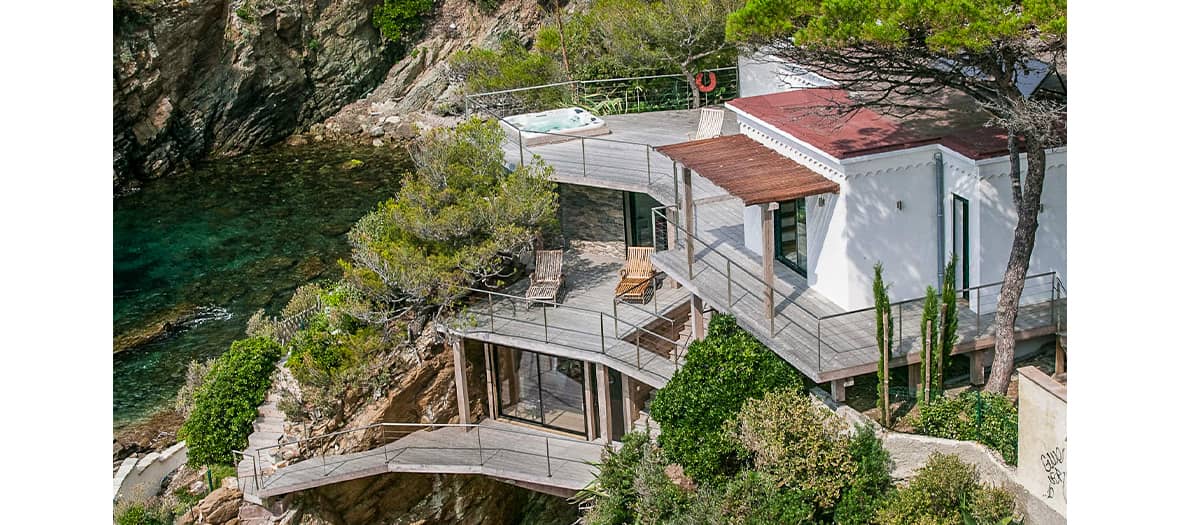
(313,457)
(834,335)
(573,327)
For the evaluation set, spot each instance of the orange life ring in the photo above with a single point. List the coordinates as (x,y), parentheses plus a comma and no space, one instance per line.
(705,88)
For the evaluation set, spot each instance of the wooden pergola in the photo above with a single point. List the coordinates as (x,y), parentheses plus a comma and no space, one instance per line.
(751,172)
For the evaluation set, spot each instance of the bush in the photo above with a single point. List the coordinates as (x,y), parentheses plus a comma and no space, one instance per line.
(798,445)
(946,490)
(398,20)
(985,417)
(749,497)
(626,477)
(225,406)
(138,513)
(511,66)
(317,350)
(858,502)
(720,373)
(194,377)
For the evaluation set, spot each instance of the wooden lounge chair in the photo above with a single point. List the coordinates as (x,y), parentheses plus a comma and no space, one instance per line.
(635,279)
(710,124)
(546,281)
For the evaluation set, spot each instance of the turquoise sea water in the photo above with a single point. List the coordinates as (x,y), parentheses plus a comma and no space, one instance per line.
(224,240)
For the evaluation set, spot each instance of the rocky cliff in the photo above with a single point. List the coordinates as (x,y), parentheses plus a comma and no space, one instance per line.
(201,78)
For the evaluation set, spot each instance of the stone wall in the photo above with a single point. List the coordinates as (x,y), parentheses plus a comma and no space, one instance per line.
(591,214)
(1042,440)
(140,478)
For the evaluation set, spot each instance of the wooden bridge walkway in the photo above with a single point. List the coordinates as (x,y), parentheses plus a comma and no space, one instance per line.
(535,459)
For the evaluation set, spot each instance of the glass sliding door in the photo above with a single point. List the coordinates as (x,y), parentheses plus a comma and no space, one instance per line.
(790,233)
(637,219)
(541,389)
(960,241)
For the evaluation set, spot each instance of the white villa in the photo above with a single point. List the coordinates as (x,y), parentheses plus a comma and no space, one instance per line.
(777,221)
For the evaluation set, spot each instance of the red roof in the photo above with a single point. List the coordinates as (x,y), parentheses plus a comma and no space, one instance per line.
(748,170)
(808,115)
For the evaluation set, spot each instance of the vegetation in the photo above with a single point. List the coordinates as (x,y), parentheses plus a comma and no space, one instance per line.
(720,373)
(399,20)
(859,501)
(894,58)
(931,365)
(946,490)
(884,320)
(137,513)
(509,66)
(223,408)
(194,377)
(990,419)
(459,219)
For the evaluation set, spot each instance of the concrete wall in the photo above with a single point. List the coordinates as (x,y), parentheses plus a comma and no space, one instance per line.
(1042,441)
(590,214)
(760,74)
(139,479)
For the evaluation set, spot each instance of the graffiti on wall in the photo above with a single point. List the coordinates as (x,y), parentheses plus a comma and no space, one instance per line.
(1053,461)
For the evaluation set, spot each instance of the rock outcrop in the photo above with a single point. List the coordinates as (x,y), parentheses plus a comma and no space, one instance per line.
(209,78)
(197,78)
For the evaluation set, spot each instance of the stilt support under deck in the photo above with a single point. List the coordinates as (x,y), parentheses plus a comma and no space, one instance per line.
(838,390)
(698,318)
(604,430)
(976,365)
(461,381)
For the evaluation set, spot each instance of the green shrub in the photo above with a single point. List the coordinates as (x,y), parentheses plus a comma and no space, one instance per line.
(748,498)
(318,350)
(720,373)
(935,495)
(398,20)
(991,505)
(985,417)
(511,66)
(487,6)
(858,502)
(614,490)
(138,513)
(798,445)
(225,406)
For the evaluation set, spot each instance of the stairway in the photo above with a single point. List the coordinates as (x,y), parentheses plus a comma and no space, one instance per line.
(269,430)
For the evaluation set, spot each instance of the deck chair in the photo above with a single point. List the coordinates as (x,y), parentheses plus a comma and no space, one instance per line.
(710,124)
(546,281)
(635,279)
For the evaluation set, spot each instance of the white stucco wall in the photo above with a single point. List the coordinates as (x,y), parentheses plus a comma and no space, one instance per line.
(760,74)
(1041,464)
(139,479)
(862,224)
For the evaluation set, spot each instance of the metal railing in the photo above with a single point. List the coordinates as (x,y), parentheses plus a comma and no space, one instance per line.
(610,96)
(834,335)
(324,454)
(572,327)
(287,327)
(598,156)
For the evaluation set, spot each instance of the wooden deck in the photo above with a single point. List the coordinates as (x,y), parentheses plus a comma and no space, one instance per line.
(833,348)
(622,160)
(508,452)
(584,325)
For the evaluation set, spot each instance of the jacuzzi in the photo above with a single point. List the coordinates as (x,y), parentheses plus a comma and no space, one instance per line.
(556,125)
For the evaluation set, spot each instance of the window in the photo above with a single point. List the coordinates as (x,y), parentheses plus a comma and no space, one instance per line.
(638,218)
(790,232)
(541,389)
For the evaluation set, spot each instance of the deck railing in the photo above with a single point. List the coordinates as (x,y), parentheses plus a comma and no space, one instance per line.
(322,455)
(572,327)
(611,96)
(833,335)
(605,97)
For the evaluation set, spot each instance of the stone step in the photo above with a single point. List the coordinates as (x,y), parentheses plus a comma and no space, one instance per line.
(268,425)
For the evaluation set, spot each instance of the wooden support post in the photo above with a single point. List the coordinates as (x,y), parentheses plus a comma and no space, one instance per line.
(689,217)
(604,430)
(1059,362)
(698,318)
(976,359)
(461,381)
(915,371)
(628,404)
(489,364)
(588,395)
(768,256)
(838,390)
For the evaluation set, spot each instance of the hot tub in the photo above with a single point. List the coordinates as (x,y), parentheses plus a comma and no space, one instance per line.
(556,125)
